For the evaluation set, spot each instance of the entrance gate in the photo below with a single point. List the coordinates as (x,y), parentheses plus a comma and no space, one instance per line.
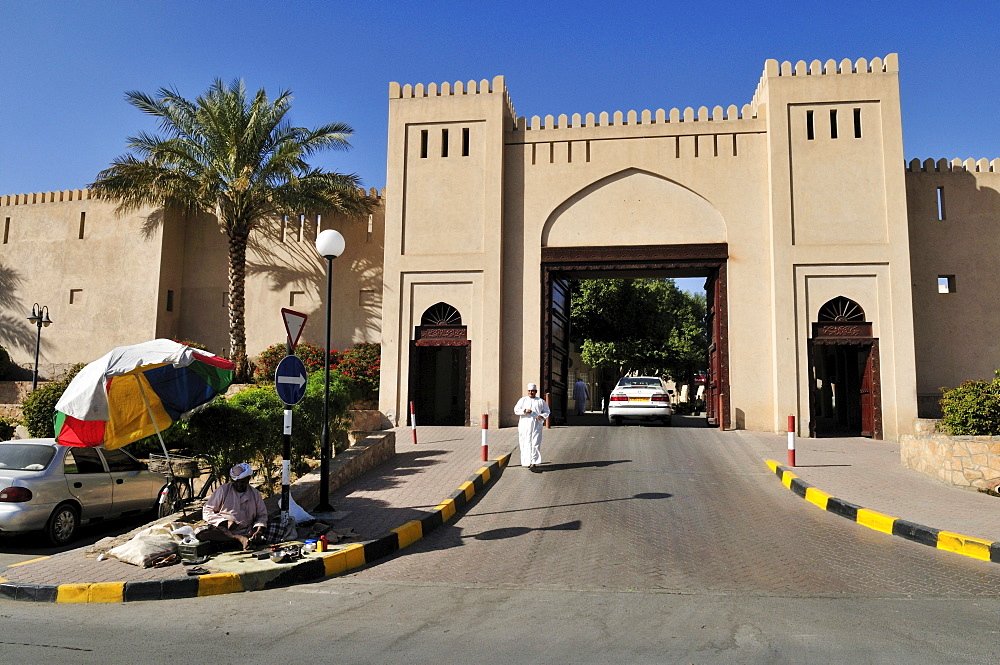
(561,264)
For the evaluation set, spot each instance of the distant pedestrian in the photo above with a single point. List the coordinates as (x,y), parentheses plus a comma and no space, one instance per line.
(532,412)
(581,393)
(606,387)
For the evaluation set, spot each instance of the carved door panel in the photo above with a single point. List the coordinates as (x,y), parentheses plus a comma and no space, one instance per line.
(712,409)
(867,402)
(555,383)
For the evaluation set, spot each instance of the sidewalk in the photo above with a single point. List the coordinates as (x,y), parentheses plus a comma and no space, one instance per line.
(869,474)
(419,483)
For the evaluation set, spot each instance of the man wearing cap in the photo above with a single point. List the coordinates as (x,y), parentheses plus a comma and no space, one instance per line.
(236,511)
(532,412)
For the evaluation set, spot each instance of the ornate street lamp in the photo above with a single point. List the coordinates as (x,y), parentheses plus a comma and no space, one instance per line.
(40,317)
(330,244)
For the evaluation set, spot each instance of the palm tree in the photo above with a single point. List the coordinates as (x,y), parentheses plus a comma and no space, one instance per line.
(237,158)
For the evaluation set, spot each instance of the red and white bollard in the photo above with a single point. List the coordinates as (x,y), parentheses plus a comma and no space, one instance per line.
(791,440)
(485,446)
(413,421)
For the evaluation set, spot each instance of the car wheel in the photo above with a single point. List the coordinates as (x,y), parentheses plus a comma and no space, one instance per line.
(62,524)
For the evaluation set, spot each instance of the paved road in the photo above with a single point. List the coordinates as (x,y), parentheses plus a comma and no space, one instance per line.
(672,509)
(636,545)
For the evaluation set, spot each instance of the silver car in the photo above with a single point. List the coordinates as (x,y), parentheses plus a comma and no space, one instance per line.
(52,488)
(642,397)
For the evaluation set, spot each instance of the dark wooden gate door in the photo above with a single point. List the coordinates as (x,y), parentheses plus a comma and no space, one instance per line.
(555,384)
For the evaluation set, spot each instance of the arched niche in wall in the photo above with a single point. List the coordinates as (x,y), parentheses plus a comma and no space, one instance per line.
(634,207)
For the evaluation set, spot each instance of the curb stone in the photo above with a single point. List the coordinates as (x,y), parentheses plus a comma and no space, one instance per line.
(976,548)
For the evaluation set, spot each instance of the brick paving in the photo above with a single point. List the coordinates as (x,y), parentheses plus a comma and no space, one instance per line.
(675,509)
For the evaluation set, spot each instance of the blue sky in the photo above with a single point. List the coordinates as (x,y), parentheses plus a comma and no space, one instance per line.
(66,65)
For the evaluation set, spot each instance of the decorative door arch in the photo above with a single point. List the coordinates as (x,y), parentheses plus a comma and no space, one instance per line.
(440,365)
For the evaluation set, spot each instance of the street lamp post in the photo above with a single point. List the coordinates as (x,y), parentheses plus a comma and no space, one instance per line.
(40,317)
(330,244)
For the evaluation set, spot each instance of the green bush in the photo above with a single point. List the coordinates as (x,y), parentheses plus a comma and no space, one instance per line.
(7,427)
(311,356)
(361,366)
(972,409)
(39,407)
(215,433)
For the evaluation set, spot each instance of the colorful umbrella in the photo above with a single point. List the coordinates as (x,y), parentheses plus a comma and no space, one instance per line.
(136,391)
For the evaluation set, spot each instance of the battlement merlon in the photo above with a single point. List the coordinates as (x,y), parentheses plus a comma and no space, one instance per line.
(86,195)
(953,166)
(446,89)
(775,69)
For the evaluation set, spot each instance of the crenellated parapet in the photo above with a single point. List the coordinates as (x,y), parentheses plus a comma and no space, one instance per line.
(86,195)
(456,89)
(45,197)
(831,67)
(646,117)
(953,166)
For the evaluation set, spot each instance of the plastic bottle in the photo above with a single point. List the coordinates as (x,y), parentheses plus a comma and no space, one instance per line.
(321,544)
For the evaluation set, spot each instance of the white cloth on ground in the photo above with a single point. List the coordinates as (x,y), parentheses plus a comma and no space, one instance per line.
(529,428)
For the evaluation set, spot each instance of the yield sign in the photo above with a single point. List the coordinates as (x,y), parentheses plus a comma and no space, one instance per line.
(294,322)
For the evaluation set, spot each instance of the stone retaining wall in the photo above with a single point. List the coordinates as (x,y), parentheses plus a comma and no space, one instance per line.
(361,457)
(965,461)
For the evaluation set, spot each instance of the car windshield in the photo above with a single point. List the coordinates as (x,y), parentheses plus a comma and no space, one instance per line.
(25,456)
(639,383)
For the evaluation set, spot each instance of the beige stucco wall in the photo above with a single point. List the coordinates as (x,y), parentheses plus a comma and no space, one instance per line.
(957,334)
(805,220)
(102,288)
(122,278)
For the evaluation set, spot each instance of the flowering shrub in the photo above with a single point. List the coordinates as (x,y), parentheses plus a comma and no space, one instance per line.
(193,345)
(311,356)
(361,366)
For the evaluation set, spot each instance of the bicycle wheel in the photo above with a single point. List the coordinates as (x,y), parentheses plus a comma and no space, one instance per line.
(174,496)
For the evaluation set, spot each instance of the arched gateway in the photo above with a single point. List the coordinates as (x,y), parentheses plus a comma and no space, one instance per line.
(783,205)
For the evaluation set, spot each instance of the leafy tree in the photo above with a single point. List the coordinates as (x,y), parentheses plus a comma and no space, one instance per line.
(7,427)
(647,326)
(236,157)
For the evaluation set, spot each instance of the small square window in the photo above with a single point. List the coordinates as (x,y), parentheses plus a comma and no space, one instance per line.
(946,284)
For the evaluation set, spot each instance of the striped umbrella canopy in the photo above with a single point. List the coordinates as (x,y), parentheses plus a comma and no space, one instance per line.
(136,391)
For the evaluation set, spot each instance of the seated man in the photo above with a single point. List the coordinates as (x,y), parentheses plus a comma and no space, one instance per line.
(236,511)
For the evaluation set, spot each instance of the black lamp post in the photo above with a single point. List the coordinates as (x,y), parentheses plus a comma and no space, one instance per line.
(40,317)
(330,244)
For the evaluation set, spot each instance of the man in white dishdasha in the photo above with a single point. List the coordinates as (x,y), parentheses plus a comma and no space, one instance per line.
(532,412)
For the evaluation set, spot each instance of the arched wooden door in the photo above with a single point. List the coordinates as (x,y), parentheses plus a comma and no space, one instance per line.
(440,366)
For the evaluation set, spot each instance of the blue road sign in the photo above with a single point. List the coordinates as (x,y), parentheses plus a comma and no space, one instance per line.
(290,380)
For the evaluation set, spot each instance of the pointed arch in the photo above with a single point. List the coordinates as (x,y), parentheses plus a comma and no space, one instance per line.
(633,207)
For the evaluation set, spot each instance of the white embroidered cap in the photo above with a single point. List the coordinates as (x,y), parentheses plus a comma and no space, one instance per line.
(240,471)
(532,386)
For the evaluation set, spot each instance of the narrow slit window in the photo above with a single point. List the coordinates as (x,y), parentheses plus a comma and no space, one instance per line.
(857,123)
(833,123)
(735,150)
(810,128)
(946,284)
(715,145)
(588,151)
(6,230)
(83,223)
(940,204)
(465,142)
(423,144)
(444,142)
(170,300)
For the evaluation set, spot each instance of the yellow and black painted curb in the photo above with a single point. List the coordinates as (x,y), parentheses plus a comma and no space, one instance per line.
(315,567)
(977,548)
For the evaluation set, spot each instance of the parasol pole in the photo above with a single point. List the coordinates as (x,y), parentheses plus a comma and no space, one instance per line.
(142,391)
